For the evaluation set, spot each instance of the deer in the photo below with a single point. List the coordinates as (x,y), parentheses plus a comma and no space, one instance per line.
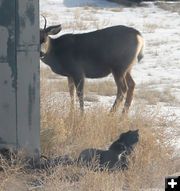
(94,54)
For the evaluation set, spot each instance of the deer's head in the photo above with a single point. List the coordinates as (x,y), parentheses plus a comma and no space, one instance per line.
(45,32)
(52,30)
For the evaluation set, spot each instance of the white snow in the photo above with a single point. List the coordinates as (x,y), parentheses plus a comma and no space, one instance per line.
(160,68)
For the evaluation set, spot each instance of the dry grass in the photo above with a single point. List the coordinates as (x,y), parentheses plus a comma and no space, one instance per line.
(105,88)
(98,129)
(150,27)
(56,83)
(68,133)
(173,7)
(75,25)
(86,18)
(157,43)
(153,96)
(117,9)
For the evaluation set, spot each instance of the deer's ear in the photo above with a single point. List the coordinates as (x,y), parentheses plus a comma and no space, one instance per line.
(53,30)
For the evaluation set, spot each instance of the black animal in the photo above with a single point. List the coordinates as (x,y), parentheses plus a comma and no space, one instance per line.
(94,55)
(113,158)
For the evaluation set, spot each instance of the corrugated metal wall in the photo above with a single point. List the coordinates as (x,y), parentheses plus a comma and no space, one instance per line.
(19,75)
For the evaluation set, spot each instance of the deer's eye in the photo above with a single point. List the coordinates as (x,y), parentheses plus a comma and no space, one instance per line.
(42,40)
(42,37)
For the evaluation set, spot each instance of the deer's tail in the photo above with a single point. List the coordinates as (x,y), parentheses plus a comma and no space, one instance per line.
(141,48)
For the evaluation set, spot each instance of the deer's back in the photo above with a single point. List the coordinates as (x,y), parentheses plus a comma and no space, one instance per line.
(99,52)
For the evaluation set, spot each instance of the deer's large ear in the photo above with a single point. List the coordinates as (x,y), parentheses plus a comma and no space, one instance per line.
(53,30)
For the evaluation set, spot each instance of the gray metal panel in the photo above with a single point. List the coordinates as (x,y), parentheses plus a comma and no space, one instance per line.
(7,74)
(28,99)
(19,75)
(28,112)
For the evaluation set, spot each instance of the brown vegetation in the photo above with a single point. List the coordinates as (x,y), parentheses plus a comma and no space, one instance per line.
(65,133)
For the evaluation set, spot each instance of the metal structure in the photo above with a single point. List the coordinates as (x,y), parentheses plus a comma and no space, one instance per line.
(19,76)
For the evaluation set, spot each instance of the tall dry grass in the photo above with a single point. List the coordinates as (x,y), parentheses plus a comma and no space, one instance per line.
(68,133)
(63,132)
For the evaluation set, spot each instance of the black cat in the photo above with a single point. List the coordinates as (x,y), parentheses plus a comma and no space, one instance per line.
(114,157)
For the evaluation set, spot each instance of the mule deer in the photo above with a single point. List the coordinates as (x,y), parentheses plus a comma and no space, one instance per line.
(94,55)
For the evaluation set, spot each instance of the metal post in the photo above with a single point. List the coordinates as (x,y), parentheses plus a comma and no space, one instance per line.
(19,76)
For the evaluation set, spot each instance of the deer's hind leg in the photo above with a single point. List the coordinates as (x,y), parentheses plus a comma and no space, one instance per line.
(121,89)
(131,85)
